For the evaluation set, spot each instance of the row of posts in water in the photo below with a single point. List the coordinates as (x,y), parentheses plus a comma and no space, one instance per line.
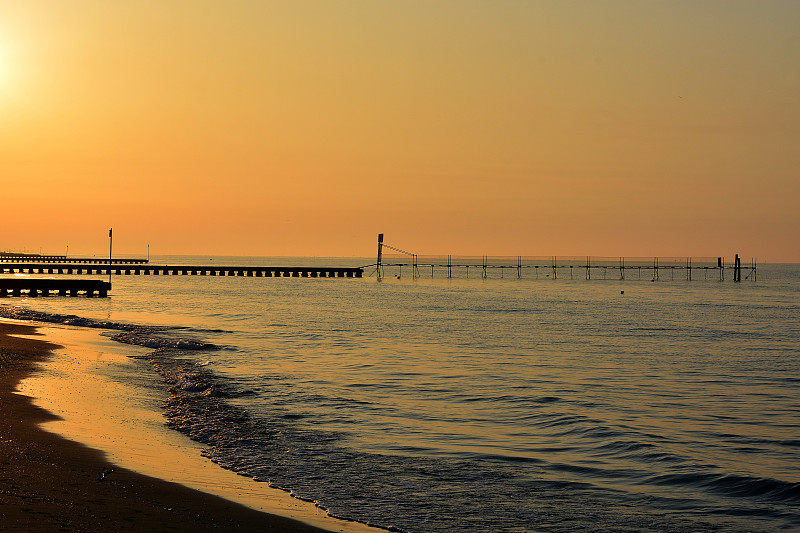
(553,267)
(655,271)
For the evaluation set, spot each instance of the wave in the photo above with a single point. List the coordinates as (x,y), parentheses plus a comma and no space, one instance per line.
(147,339)
(735,485)
(319,466)
(147,336)
(593,485)
(21,313)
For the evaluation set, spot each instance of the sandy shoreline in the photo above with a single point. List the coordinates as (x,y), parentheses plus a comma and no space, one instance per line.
(49,483)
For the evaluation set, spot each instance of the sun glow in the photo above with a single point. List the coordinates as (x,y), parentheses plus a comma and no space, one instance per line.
(3,68)
(12,56)
(471,130)
(13,89)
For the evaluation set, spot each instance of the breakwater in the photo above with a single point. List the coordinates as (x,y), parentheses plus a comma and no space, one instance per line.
(36,258)
(182,270)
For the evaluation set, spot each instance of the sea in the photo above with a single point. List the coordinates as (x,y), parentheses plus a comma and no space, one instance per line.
(500,404)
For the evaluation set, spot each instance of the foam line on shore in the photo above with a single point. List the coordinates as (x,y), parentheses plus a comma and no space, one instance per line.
(110,401)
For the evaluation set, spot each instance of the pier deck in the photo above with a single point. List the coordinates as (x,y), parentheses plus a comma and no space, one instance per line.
(11,258)
(180,270)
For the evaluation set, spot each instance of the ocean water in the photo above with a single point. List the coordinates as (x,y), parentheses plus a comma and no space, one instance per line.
(451,405)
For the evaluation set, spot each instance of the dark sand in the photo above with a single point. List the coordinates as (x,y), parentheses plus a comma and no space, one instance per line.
(48,483)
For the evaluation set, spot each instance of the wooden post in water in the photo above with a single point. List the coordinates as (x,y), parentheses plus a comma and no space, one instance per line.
(110,241)
(737,269)
(379,270)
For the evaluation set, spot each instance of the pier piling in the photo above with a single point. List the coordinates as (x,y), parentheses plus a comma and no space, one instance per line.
(553,266)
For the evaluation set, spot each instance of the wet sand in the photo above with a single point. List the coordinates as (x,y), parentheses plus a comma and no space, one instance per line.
(49,483)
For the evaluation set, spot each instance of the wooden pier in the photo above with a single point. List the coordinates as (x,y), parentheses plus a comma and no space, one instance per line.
(33,287)
(98,268)
(31,258)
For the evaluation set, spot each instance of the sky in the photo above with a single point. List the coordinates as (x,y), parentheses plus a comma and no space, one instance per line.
(504,127)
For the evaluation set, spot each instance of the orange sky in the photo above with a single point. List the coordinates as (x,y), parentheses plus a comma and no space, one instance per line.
(465,127)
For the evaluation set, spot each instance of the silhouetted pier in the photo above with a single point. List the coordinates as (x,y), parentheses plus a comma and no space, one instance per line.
(97,268)
(33,287)
(36,258)
(553,267)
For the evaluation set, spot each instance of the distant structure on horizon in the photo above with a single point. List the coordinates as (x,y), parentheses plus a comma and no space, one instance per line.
(550,266)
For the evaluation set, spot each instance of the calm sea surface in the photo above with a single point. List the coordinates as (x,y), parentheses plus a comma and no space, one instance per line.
(449,405)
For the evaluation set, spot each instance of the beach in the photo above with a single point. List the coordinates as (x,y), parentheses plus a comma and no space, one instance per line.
(49,483)
(436,405)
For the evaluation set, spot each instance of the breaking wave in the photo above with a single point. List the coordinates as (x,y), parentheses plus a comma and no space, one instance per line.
(147,336)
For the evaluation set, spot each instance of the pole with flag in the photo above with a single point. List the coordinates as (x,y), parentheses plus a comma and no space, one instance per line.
(110,241)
